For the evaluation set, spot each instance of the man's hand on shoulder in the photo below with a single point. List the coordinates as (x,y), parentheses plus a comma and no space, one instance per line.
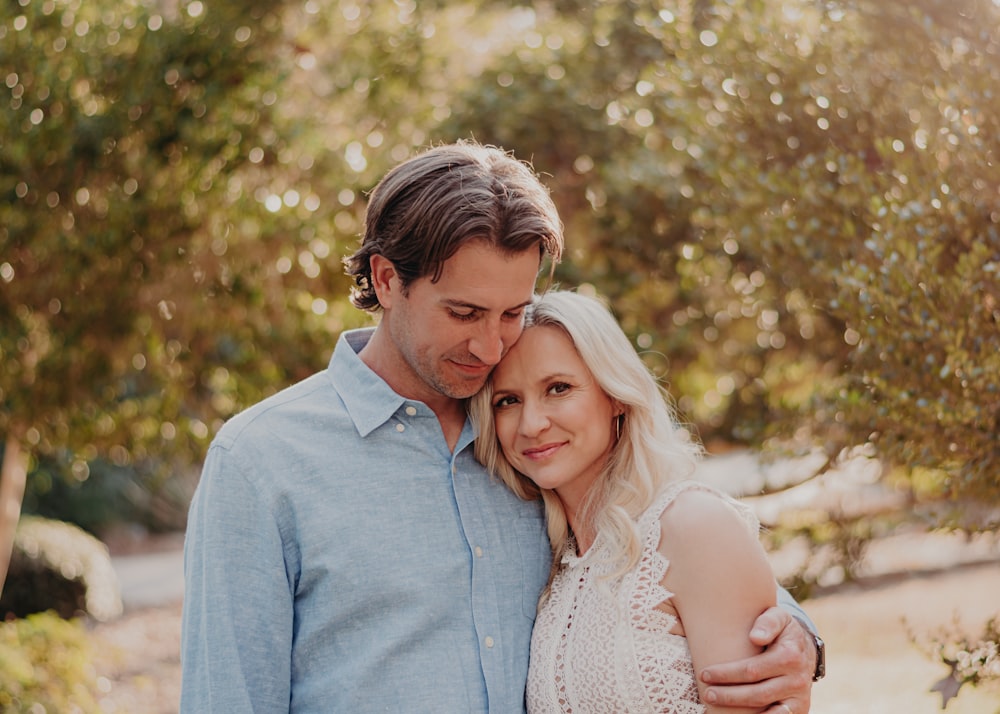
(779,680)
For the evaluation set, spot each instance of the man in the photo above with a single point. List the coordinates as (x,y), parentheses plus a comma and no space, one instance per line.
(345,552)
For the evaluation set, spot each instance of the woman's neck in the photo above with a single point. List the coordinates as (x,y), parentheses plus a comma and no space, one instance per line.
(583,533)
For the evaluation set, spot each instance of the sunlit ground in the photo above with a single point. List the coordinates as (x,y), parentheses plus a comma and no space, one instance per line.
(874,668)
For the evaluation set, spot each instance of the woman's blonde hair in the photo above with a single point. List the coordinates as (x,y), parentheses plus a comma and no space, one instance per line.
(652,449)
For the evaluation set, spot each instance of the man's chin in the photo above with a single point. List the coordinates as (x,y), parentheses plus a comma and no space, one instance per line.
(465,388)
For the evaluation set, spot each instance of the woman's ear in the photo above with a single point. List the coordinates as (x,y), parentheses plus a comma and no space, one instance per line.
(385,279)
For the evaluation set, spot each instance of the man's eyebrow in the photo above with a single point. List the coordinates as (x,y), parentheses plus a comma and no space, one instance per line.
(480,308)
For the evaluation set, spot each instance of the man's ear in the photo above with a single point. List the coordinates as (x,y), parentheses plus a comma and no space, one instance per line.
(385,280)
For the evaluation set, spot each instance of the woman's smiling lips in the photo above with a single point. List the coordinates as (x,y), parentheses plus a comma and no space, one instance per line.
(540,453)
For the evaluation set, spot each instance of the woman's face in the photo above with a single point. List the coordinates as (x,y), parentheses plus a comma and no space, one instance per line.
(554,423)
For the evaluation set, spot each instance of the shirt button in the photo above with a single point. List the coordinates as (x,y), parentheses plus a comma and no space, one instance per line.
(478,551)
(400,428)
(489,643)
(411,411)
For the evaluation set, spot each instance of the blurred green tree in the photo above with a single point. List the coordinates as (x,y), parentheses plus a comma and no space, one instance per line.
(858,168)
(791,203)
(179,184)
(138,235)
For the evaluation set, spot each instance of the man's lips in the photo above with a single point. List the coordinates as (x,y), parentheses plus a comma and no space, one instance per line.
(474,370)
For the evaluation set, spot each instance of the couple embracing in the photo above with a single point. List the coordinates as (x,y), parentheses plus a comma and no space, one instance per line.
(481,505)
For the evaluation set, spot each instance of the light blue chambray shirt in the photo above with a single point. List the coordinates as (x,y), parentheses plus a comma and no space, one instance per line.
(340,559)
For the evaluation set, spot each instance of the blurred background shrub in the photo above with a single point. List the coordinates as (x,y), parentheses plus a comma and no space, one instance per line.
(46,666)
(59,567)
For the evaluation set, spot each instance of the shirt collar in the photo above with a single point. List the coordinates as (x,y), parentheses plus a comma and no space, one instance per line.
(370,402)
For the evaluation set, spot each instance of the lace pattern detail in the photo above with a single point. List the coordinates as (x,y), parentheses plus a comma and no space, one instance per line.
(605,646)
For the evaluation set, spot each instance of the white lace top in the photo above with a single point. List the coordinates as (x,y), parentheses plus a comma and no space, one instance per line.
(602,645)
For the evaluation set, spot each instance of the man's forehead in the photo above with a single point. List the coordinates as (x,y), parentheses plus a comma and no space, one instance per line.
(482,255)
(482,277)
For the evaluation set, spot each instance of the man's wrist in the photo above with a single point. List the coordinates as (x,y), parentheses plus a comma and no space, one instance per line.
(820,670)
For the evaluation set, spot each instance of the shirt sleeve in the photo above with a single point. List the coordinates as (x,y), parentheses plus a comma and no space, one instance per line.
(787,602)
(236,636)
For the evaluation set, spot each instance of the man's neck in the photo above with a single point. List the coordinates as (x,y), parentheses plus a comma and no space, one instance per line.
(386,363)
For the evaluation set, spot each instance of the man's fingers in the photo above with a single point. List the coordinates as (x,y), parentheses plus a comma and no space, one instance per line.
(778,678)
(769,625)
(778,675)
(767,665)
(759,695)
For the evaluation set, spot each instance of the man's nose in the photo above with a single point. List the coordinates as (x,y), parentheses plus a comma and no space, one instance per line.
(487,344)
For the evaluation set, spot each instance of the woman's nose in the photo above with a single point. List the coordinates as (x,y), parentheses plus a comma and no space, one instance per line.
(534,420)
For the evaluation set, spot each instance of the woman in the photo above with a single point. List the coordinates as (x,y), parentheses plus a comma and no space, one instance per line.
(653,577)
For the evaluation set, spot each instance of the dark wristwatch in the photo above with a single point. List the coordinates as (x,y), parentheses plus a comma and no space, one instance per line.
(820,657)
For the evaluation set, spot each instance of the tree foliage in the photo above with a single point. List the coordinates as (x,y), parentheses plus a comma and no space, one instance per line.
(792,202)
(792,206)
(124,140)
(131,240)
(874,199)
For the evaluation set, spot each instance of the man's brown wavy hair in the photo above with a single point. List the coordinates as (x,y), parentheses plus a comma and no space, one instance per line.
(429,206)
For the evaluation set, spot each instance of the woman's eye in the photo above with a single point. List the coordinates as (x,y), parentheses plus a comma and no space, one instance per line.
(559,388)
(503,402)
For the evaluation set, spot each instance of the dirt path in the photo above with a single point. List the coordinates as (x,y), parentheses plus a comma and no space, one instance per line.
(873,666)
(139,660)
